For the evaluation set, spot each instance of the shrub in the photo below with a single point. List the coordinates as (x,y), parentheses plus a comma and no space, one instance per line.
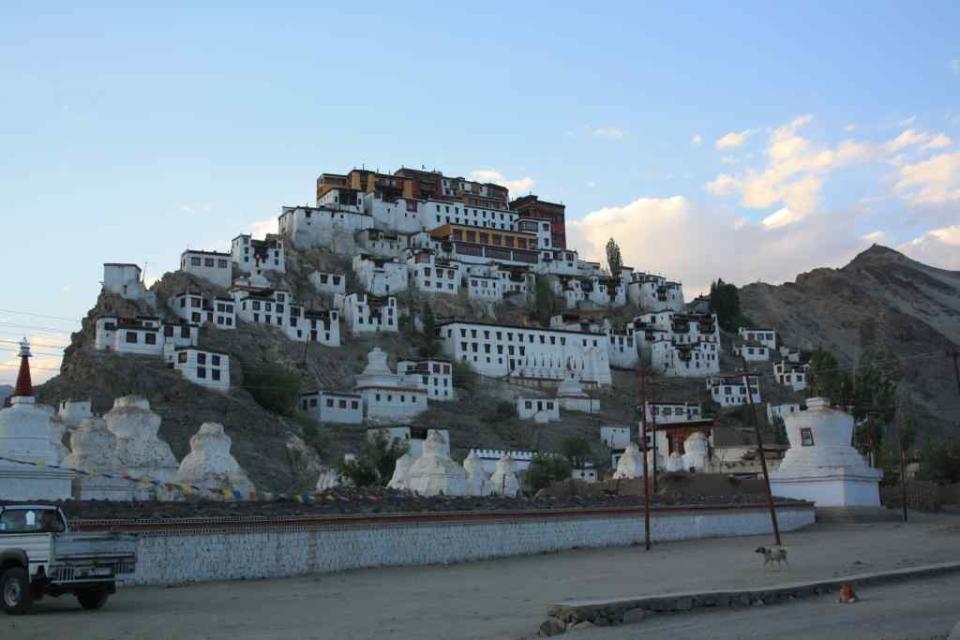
(501,411)
(544,470)
(275,387)
(465,377)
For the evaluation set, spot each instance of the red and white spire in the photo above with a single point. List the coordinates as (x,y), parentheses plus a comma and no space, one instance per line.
(24,388)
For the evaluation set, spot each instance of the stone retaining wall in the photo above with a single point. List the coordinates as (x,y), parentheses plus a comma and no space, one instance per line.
(171,557)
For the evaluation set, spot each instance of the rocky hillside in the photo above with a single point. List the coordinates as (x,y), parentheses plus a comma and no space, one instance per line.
(881,298)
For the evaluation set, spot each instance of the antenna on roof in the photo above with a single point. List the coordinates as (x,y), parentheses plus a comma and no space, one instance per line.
(144,274)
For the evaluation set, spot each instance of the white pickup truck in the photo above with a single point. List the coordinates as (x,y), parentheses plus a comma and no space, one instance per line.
(39,556)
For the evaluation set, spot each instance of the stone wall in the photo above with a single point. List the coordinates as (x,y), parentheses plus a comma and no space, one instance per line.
(170,558)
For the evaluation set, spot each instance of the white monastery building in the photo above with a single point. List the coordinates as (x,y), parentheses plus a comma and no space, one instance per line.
(386,395)
(333,407)
(540,410)
(258,256)
(328,282)
(142,335)
(193,307)
(124,280)
(212,266)
(527,352)
(730,391)
(206,368)
(765,337)
(434,376)
(791,374)
(364,313)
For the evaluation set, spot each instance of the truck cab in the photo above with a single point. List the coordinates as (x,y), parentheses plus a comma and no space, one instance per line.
(39,556)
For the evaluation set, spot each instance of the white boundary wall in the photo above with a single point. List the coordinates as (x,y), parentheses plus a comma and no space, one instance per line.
(196,557)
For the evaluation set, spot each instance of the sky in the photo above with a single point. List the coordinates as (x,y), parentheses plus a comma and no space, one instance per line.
(746,141)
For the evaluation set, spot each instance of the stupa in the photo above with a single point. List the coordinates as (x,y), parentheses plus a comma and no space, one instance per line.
(504,481)
(140,452)
(478,480)
(401,471)
(630,464)
(696,451)
(821,465)
(210,464)
(572,397)
(434,472)
(94,449)
(27,434)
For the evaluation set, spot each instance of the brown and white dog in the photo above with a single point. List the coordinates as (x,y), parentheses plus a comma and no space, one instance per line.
(847,595)
(773,555)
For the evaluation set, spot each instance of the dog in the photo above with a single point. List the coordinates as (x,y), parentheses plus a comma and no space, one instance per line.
(847,595)
(773,555)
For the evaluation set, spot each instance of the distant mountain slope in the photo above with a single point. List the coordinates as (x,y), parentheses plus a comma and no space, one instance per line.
(5,392)
(881,297)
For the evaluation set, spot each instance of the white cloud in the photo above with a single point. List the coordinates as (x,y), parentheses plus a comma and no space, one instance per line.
(781,218)
(796,167)
(850,128)
(908,122)
(697,139)
(260,228)
(732,139)
(935,180)
(875,237)
(937,247)
(717,242)
(609,133)
(517,187)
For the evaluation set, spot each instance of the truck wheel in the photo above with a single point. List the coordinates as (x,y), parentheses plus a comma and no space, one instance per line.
(92,598)
(15,590)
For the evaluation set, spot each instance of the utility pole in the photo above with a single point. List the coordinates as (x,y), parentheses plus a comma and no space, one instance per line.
(903,465)
(956,367)
(641,373)
(653,420)
(763,456)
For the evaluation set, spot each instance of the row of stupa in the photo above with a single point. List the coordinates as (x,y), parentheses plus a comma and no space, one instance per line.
(35,464)
(434,472)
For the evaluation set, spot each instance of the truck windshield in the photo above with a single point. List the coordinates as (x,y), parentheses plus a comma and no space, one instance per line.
(31,521)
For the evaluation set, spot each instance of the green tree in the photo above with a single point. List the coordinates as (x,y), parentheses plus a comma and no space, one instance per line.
(614,259)
(499,412)
(374,462)
(543,303)
(725,302)
(275,387)
(940,460)
(545,469)
(465,376)
(430,345)
(577,450)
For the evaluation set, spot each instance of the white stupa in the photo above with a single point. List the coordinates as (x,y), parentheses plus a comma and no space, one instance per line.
(696,451)
(674,463)
(94,449)
(401,472)
(434,472)
(26,433)
(572,397)
(630,464)
(478,480)
(504,481)
(821,465)
(210,465)
(139,451)
(328,479)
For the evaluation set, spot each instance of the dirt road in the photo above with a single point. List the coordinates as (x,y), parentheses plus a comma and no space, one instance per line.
(504,598)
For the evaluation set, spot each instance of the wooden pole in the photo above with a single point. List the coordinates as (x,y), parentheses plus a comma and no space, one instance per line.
(641,372)
(763,457)
(653,420)
(903,467)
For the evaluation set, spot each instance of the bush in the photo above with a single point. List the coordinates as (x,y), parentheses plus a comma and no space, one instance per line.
(544,470)
(465,377)
(274,387)
(374,463)
(501,411)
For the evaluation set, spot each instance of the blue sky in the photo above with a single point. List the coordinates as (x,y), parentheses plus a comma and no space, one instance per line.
(129,134)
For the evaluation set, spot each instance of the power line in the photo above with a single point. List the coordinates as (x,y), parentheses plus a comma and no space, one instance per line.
(40,315)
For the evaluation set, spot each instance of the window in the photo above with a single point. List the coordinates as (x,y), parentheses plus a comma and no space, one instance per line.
(195,262)
(806,437)
(221,263)
(131,337)
(208,262)
(201,372)
(215,374)
(150,338)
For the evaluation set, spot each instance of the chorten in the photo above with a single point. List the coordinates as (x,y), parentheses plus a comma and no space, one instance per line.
(504,481)
(434,472)
(401,471)
(630,464)
(27,434)
(210,464)
(478,481)
(140,452)
(94,449)
(821,465)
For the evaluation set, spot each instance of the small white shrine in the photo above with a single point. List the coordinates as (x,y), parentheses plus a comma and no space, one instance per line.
(572,397)
(504,481)
(478,480)
(631,463)
(434,472)
(821,465)
(140,452)
(27,433)
(210,465)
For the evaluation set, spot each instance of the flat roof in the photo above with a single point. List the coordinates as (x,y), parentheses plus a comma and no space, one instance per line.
(515,326)
(206,253)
